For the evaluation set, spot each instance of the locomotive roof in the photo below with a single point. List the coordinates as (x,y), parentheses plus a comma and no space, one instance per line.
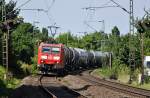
(55,45)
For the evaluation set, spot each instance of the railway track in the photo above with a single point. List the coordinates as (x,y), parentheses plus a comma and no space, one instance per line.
(59,91)
(46,89)
(141,93)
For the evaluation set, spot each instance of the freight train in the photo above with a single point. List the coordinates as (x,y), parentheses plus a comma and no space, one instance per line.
(52,57)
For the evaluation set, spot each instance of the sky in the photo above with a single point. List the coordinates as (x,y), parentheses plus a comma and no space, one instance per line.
(69,15)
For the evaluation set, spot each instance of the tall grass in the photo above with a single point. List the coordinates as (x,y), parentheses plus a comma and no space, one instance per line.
(115,71)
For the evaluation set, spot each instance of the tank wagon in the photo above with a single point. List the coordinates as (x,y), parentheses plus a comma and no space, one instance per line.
(59,57)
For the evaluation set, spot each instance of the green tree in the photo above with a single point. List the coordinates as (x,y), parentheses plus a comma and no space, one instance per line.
(66,38)
(45,34)
(94,40)
(115,31)
(22,42)
(114,39)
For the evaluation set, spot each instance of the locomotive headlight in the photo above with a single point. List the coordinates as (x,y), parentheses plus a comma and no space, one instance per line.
(56,57)
(43,57)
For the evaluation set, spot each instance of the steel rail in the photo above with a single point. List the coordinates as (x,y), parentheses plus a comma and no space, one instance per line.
(116,86)
(45,89)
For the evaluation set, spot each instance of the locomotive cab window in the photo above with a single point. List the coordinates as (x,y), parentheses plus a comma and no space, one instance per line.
(55,50)
(46,49)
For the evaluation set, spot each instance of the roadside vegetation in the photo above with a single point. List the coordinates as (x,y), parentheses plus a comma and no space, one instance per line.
(7,86)
(24,40)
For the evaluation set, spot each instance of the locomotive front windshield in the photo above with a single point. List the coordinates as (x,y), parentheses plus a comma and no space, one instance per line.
(46,49)
(55,50)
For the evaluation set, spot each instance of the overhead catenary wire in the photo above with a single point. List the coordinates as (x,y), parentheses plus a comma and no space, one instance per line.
(50,19)
(120,6)
(106,3)
(94,8)
(48,9)
(90,26)
(34,9)
(23,4)
(51,5)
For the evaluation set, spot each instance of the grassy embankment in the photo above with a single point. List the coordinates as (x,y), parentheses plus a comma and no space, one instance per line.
(121,73)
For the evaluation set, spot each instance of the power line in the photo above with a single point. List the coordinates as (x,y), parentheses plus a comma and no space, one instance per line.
(23,4)
(48,9)
(34,10)
(49,18)
(106,3)
(93,8)
(51,5)
(120,6)
(85,22)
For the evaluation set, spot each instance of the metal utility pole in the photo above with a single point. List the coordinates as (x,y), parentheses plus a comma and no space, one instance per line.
(67,39)
(5,40)
(142,56)
(131,32)
(132,62)
(131,35)
(131,40)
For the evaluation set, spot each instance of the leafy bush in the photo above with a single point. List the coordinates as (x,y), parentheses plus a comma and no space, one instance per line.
(2,72)
(34,64)
(146,79)
(13,83)
(29,68)
(26,68)
(136,74)
(105,71)
(117,70)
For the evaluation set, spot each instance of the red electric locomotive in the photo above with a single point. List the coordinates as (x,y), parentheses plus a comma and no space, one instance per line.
(50,56)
